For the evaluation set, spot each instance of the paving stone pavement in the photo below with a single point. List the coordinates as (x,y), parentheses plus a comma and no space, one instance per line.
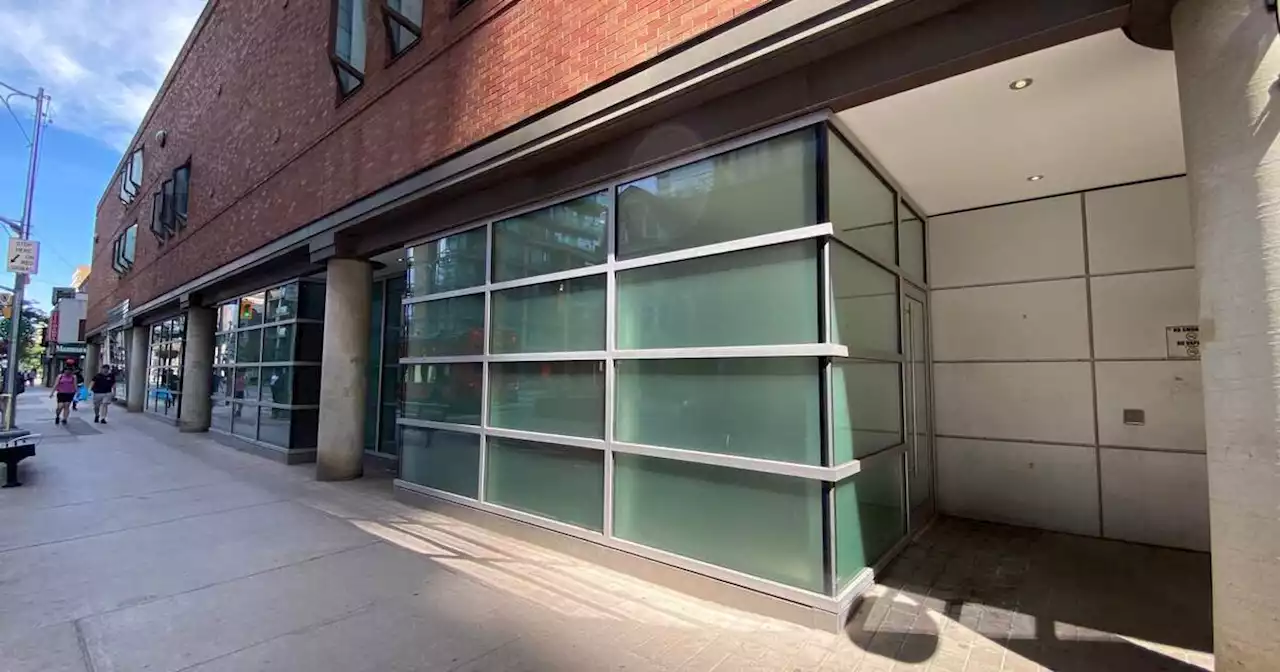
(138,548)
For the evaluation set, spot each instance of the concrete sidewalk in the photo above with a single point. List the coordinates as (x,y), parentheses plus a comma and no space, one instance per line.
(133,547)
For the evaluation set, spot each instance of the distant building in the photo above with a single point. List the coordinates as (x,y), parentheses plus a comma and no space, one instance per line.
(80,276)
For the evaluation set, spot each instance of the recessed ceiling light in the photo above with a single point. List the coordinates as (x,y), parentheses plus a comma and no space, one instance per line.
(1035,178)
(1020,84)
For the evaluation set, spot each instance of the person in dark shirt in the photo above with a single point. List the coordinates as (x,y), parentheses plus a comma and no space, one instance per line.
(103,389)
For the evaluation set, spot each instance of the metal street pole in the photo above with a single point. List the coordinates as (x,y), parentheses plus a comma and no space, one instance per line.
(20,279)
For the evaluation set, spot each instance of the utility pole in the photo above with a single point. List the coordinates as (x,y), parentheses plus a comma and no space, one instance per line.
(20,279)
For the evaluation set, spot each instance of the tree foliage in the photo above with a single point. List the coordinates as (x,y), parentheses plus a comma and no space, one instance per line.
(30,326)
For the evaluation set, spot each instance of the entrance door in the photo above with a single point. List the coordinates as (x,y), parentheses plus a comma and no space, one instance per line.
(918,405)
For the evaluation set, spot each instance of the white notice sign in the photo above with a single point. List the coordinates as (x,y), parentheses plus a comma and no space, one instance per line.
(24,256)
(1183,342)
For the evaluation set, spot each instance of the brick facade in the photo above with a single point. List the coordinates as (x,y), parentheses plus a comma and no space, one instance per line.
(254,105)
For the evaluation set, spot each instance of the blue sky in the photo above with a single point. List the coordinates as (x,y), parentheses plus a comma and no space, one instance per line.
(101,61)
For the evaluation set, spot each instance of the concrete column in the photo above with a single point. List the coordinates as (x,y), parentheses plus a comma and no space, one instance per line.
(197,370)
(1228,60)
(348,292)
(92,360)
(137,369)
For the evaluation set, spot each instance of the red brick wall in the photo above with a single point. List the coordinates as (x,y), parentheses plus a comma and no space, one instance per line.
(254,105)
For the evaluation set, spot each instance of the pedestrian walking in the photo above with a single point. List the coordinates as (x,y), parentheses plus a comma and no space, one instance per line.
(75,400)
(103,388)
(65,389)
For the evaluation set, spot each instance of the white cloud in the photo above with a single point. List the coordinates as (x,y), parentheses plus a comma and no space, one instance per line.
(102,61)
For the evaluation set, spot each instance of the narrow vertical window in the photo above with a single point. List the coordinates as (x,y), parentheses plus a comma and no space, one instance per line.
(348,44)
(166,208)
(181,191)
(403,19)
(157,216)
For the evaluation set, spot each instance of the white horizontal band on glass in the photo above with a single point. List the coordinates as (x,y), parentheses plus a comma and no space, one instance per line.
(443,426)
(452,359)
(739,351)
(734,577)
(864,354)
(809,471)
(451,294)
(587,271)
(583,356)
(273,323)
(763,240)
(860,584)
(874,259)
(539,437)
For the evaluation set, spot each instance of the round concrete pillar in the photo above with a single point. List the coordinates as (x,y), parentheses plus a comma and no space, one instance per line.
(340,439)
(1228,60)
(197,370)
(137,392)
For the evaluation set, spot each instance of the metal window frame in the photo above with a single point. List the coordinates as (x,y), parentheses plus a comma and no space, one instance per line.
(827,351)
(336,62)
(392,19)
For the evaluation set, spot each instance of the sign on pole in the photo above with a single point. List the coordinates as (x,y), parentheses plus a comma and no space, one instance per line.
(24,256)
(6,304)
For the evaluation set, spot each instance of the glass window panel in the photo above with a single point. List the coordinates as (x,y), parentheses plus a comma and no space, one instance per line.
(226,317)
(282,303)
(245,384)
(306,385)
(220,415)
(765,296)
(912,241)
(869,516)
(157,333)
(223,382)
(864,302)
(453,262)
(277,343)
(277,384)
(442,392)
(867,407)
(765,525)
(388,433)
(373,367)
(563,316)
(862,206)
(178,328)
(557,238)
(249,346)
(251,309)
(273,426)
(311,300)
(448,461)
(765,408)
(766,187)
(558,482)
(551,397)
(166,330)
(244,420)
(224,349)
(395,314)
(445,327)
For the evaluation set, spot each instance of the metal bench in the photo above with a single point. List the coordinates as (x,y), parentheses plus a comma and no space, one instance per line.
(16,445)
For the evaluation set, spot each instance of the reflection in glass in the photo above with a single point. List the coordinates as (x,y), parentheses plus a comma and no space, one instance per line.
(549,397)
(442,392)
(434,458)
(226,317)
(766,187)
(558,482)
(562,316)
(862,207)
(454,262)
(244,420)
(557,238)
(445,327)
(864,302)
(245,383)
(273,426)
(220,416)
(249,346)
(277,343)
(764,296)
(869,516)
(912,241)
(251,309)
(866,408)
(765,408)
(765,525)
(282,303)
(277,384)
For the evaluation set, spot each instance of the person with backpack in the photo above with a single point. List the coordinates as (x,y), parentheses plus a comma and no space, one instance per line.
(103,388)
(65,388)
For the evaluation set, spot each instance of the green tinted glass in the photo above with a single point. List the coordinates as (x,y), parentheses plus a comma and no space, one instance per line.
(453,262)
(561,316)
(445,327)
(866,407)
(766,408)
(869,516)
(862,207)
(766,187)
(549,397)
(448,461)
(558,482)
(556,238)
(911,236)
(765,525)
(864,302)
(765,296)
(442,392)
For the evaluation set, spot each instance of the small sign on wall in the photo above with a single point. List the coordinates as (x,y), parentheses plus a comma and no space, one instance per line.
(1183,342)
